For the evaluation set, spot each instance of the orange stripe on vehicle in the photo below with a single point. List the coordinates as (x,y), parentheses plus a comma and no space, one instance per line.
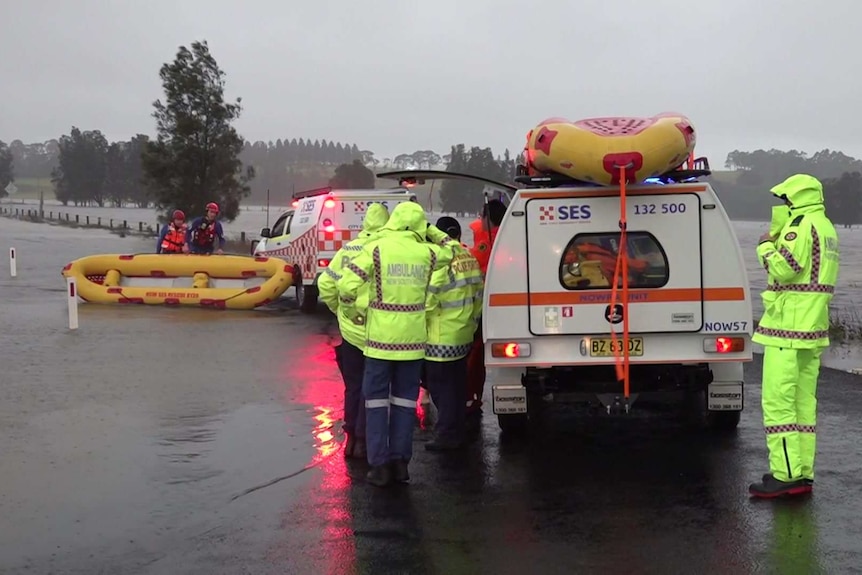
(604,296)
(603,192)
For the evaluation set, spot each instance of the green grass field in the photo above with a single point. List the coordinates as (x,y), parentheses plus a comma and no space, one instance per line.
(29,188)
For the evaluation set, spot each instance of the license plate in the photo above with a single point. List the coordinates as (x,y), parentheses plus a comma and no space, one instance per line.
(509,399)
(605,346)
(724,396)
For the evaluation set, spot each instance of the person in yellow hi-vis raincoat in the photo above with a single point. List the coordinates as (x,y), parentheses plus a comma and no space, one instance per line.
(801,262)
(349,355)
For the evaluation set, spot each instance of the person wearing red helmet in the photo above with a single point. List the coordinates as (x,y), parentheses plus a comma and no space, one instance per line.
(201,235)
(172,238)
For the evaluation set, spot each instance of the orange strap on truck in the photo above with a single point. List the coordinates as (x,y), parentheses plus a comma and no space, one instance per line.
(621,271)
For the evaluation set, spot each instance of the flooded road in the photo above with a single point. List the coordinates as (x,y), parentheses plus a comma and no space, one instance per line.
(197,441)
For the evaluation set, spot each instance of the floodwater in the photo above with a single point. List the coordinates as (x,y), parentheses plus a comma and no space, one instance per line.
(195,441)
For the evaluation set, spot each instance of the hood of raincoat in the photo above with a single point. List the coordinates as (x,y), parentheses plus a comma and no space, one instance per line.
(376,217)
(408,216)
(800,190)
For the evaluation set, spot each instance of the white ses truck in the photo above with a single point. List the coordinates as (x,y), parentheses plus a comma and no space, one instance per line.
(676,333)
(320,222)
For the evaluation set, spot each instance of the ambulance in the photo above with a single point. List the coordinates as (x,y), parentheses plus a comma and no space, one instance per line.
(559,315)
(320,222)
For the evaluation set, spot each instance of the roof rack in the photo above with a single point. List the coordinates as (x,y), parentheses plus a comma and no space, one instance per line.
(699,168)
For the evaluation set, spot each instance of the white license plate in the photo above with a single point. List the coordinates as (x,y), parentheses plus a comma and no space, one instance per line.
(724,396)
(509,399)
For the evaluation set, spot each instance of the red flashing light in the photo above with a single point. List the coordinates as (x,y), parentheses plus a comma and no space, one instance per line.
(294,203)
(726,344)
(327,226)
(510,350)
(322,263)
(329,203)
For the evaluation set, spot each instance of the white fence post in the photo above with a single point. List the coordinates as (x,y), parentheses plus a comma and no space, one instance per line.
(13,263)
(72,297)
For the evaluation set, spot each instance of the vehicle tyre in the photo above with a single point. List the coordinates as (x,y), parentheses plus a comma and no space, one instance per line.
(306,297)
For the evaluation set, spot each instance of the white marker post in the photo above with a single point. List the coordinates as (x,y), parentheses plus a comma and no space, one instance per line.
(72,296)
(13,264)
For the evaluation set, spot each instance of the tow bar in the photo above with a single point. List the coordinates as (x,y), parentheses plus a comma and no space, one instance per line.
(616,405)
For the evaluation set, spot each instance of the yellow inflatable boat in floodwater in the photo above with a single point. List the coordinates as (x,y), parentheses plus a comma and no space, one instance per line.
(222,282)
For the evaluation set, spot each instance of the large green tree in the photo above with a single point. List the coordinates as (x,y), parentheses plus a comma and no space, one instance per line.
(6,174)
(195,157)
(82,165)
(353,176)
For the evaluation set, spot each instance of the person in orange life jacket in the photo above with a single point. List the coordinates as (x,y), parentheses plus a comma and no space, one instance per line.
(484,234)
(172,238)
(201,235)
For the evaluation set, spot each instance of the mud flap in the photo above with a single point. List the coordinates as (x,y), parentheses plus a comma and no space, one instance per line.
(509,399)
(725,396)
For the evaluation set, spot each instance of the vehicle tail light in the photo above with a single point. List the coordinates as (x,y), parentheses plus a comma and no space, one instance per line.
(327,225)
(510,350)
(322,263)
(329,203)
(724,344)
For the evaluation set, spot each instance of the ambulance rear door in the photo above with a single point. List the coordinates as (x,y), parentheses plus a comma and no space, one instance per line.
(573,242)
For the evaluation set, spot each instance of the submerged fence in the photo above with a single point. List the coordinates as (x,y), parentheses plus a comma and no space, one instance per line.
(85,221)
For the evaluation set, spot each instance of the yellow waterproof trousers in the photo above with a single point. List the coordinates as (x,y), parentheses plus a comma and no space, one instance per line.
(789,403)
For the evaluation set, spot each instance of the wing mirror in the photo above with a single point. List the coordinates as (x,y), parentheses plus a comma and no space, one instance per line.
(264,232)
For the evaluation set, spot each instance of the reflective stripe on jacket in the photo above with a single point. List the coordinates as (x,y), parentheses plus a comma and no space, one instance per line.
(802,266)
(454,306)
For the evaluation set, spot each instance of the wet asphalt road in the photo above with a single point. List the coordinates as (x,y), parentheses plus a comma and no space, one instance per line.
(204,442)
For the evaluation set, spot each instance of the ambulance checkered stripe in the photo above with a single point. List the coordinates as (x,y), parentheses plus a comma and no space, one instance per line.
(447,351)
(397,307)
(789,334)
(302,251)
(787,428)
(378,281)
(358,271)
(394,346)
(334,241)
(791,261)
(790,427)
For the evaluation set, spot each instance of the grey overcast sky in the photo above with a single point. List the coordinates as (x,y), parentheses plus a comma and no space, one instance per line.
(394,76)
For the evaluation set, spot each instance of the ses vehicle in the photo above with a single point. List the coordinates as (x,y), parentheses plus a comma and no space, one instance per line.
(320,222)
(663,319)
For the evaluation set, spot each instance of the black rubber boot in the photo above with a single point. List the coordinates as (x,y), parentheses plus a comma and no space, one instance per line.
(770,487)
(380,475)
(810,482)
(349,446)
(399,471)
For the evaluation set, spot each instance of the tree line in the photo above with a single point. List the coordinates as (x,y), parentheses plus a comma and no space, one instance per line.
(745,189)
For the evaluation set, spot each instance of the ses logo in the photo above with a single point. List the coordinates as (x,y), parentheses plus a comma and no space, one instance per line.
(565,213)
(308,206)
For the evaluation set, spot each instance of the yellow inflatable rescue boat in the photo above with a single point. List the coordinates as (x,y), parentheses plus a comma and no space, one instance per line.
(593,150)
(222,282)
